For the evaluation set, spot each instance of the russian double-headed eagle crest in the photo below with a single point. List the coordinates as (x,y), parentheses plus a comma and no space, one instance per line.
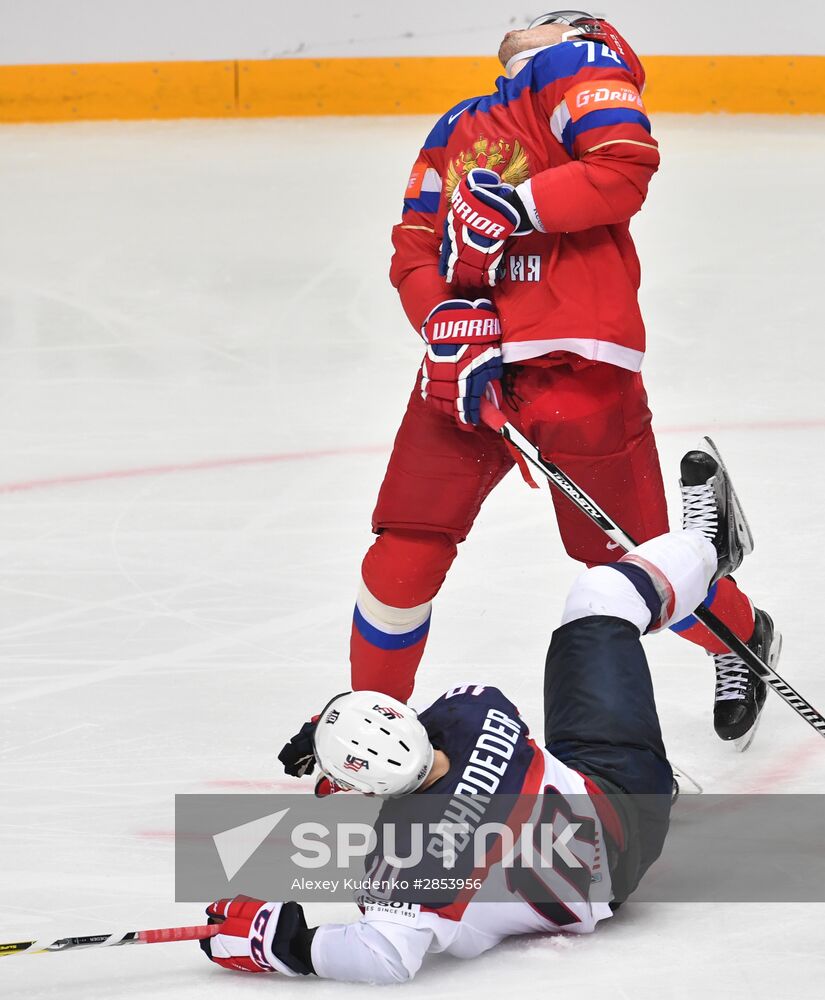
(490,155)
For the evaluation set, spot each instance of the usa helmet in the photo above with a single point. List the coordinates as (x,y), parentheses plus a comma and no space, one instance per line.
(372,743)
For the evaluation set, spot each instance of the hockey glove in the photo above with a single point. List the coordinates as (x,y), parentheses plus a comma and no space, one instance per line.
(298,756)
(483,214)
(259,937)
(463,357)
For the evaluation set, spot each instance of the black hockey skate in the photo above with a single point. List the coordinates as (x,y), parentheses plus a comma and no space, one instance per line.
(740,694)
(710,505)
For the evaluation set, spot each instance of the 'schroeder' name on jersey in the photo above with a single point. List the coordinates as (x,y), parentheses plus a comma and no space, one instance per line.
(430,835)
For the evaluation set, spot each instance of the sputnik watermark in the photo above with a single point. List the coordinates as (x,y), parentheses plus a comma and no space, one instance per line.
(726,848)
(382,887)
(317,845)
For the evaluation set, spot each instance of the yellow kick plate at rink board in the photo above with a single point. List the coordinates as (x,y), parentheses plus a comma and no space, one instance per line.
(376,86)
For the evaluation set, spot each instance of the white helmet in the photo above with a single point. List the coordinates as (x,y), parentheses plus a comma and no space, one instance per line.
(370,742)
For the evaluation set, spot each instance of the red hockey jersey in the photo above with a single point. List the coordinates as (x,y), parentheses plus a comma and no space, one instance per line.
(571,133)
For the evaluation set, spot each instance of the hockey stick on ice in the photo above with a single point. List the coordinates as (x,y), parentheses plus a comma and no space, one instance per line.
(496,420)
(111,940)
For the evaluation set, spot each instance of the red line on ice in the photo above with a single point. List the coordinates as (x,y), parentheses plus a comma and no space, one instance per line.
(240,461)
(789,766)
(199,466)
(260,785)
(744,425)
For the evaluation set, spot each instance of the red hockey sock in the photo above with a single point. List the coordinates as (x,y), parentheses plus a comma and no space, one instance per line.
(402,572)
(391,671)
(730,606)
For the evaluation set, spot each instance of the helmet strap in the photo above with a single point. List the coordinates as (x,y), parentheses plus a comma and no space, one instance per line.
(524,56)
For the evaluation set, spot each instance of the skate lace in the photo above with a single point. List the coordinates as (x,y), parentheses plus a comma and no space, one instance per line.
(699,509)
(731,677)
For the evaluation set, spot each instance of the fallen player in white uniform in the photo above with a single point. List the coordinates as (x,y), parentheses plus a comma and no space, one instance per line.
(602,735)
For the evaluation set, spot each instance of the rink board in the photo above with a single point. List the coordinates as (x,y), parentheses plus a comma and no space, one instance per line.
(370,86)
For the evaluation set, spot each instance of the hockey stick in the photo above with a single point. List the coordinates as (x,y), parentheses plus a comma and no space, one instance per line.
(111,940)
(496,421)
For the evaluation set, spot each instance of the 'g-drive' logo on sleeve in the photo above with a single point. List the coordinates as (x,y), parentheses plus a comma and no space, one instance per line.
(601,96)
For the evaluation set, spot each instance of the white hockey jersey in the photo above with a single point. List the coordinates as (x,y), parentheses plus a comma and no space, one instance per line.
(490,752)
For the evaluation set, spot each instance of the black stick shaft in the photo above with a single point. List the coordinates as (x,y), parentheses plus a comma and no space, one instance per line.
(558,478)
(64,944)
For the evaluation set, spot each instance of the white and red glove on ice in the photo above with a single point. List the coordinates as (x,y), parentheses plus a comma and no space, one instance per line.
(463,358)
(484,213)
(256,936)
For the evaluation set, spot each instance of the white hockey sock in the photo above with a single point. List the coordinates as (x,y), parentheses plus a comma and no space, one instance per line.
(686,560)
(680,564)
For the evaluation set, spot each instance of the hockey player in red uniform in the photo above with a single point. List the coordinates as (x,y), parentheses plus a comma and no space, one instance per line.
(470,755)
(514,262)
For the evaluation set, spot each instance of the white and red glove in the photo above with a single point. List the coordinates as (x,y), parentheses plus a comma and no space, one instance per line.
(463,357)
(484,213)
(259,937)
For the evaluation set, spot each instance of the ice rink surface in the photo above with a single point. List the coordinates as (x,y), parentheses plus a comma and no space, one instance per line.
(202,365)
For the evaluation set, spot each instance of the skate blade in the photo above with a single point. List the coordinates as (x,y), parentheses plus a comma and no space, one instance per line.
(774,652)
(685,785)
(743,742)
(743,529)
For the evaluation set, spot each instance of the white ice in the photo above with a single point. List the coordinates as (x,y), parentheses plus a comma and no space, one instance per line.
(216,293)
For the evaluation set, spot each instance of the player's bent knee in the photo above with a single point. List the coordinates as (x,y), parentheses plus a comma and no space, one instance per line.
(603,591)
(405,568)
(680,564)
(657,583)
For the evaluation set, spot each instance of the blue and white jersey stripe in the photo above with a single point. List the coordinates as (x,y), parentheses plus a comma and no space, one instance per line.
(429,196)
